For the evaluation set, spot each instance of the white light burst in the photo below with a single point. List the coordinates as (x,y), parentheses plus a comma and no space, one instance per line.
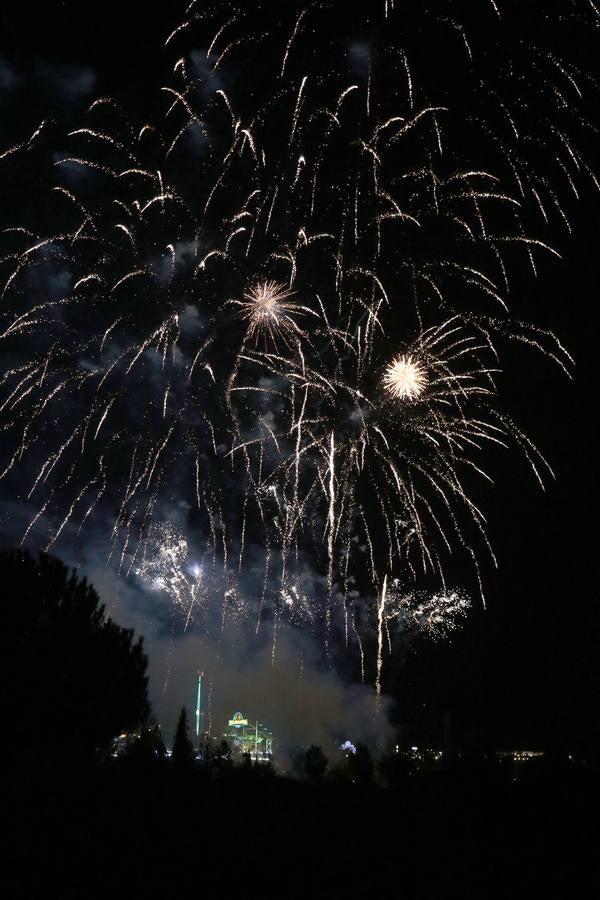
(405,378)
(267,307)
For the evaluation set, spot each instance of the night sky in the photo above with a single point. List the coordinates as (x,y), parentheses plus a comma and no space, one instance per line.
(522,671)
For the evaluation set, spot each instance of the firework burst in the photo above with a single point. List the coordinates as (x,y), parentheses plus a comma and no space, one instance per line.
(433,615)
(405,378)
(269,310)
(327,420)
(166,566)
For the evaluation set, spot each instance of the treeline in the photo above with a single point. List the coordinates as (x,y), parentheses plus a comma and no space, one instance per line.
(73,680)
(87,816)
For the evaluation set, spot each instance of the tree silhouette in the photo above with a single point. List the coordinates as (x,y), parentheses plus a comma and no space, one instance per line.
(73,678)
(223,759)
(183,751)
(394,769)
(361,764)
(315,763)
(145,749)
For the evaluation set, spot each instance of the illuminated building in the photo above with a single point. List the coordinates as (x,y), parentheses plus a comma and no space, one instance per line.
(519,755)
(248,737)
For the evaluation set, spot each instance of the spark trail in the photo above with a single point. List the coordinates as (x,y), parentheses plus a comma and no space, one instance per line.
(287,302)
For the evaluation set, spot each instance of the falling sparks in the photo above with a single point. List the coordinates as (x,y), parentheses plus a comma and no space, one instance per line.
(433,615)
(236,341)
(167,568)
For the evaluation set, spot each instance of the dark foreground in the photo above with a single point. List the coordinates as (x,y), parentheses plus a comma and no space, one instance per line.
(157,832)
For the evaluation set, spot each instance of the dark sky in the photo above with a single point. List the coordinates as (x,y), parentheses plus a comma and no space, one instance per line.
(526,669)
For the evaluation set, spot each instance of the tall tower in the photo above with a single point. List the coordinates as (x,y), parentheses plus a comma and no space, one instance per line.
(199,705)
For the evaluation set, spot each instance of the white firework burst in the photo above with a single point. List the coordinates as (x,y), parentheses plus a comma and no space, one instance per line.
(405,378)
(269,310)
(433,614)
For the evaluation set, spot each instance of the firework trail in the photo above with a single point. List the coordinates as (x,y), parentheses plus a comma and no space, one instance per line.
(165,566)
(287,303)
